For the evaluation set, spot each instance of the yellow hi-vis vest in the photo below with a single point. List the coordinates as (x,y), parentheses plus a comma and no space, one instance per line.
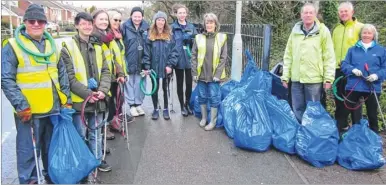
(109,57)
(219,42)
(79,65)
(35,79)
(119,55)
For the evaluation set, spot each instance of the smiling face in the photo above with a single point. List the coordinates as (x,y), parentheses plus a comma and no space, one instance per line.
(160,23)
(115,21)
(367,36)
(308,15)
(137,18)
(84,27)
(210,26)
(35,28)
(101,21)
(181,14)
(345,13)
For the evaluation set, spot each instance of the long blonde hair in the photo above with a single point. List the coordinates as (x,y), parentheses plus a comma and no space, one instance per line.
(154,34)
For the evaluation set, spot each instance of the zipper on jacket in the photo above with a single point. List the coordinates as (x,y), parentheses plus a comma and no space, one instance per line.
(341,46)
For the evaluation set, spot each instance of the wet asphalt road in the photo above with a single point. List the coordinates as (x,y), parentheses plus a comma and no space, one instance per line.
(178,151)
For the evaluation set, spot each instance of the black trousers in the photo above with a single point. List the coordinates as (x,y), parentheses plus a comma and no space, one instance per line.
(154,97)
(341,112)
(180,85)
(371,107)
(112,101)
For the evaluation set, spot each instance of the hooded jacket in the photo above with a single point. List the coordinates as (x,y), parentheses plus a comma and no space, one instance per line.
(357,56)
(184,37)
(13,92)
(309,58)
(160,51)
(89,57)
(344,36)
(132,39)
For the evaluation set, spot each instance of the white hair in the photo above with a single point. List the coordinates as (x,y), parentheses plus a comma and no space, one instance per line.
(346,4)
(212,17)
(371,28)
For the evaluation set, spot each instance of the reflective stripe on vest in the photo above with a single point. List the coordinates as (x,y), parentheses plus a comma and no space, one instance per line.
(119,55)
(219,42)
(79,65)
(109,57)
(35,79)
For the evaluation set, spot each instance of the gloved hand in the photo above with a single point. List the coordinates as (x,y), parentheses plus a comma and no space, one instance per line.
(215,79)
(372,78)
(25,115)
(357,72)
(195,79)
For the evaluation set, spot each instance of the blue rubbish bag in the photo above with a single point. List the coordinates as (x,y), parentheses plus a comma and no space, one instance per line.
(361,148)
(253,130)
(317,138)
(284,124)
(231,106)
(69,158)
(195,106)
(227,87)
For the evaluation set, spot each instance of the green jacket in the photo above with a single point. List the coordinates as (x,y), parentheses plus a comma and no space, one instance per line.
(344,36)
(309,58)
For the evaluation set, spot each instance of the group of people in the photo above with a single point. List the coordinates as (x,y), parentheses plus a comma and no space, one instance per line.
(313,59)
(90,70)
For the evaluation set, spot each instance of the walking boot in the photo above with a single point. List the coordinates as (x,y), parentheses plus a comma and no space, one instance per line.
(204,115)
(213,119)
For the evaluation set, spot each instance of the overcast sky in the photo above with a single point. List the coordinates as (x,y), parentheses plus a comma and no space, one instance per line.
(105,4)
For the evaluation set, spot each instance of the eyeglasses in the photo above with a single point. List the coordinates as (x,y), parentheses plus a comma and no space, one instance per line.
(117,20)
(40,22)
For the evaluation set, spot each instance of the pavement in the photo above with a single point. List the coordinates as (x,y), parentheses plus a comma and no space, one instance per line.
(178,151)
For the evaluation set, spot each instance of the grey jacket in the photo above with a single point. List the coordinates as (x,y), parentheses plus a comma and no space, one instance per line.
(89,57)
(207,68)
(12,91)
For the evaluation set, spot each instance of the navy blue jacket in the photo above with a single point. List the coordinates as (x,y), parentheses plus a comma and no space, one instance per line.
(132,38)
(183,37)
(356,57)
(159,54)
(12,91)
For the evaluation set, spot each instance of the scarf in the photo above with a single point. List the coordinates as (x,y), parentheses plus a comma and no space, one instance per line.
(103,36)
(117,33)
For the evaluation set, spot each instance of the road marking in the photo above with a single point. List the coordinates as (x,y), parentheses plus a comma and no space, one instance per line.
(296,169)
(4,136)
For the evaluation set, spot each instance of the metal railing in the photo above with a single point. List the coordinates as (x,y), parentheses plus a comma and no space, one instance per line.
(256,38)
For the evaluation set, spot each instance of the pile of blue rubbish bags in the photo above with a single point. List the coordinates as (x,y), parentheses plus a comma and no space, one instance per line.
(255,119)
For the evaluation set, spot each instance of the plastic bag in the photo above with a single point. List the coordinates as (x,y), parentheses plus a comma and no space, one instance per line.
(69,158)
(317,138)
(227,87)
(284,124)
(361,148)
(253,130)
(230,109)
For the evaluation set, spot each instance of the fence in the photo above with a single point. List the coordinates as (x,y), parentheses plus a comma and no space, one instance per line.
(256,39)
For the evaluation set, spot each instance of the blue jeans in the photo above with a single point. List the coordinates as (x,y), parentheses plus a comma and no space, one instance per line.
(43,129)
(303,93)
(82,130)
(211,91)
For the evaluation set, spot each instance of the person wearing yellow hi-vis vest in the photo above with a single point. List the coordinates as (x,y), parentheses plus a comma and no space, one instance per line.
(37,88)
(209,57)
(103,32)
(89,75)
